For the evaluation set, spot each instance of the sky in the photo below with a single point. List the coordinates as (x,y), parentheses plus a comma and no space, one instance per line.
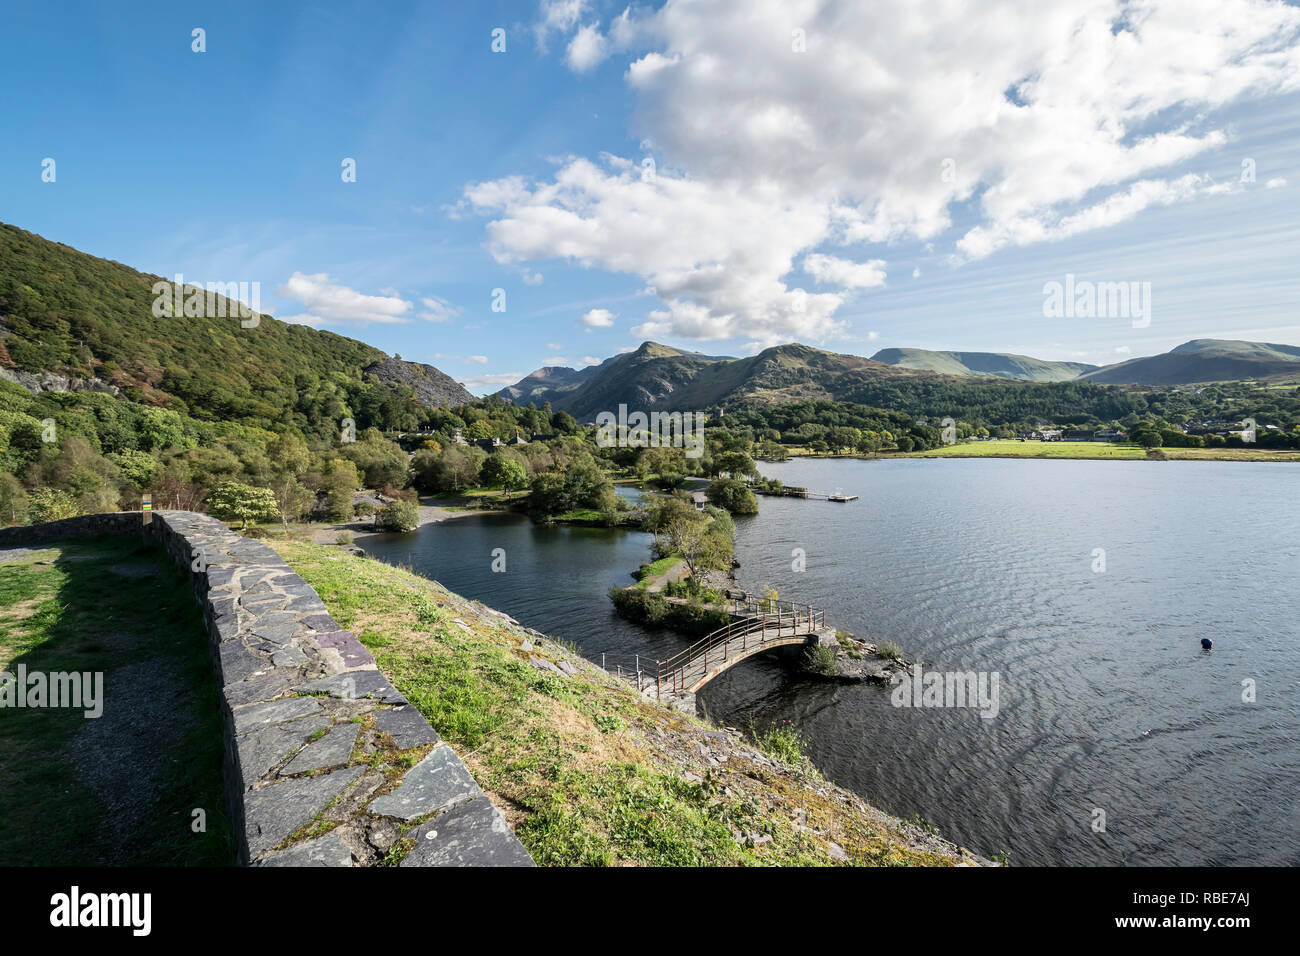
(551,183)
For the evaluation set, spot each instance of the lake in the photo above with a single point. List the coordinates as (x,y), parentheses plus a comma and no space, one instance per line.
(1118,740)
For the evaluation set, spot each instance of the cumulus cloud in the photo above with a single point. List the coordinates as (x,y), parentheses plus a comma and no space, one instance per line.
(1275,183)
(477,359)
(591,360)
(331,302)
(597,318)
(439,310)
(845,272)
(587,48)
(479,383)
(903,120)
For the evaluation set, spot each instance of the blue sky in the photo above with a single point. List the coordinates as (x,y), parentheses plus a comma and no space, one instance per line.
(523,171)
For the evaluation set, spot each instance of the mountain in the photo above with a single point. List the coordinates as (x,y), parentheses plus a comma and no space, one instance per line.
(643,378)
(547,384)
(658,377)
(1204,360)
(70,321)
(984,364)
(432,387)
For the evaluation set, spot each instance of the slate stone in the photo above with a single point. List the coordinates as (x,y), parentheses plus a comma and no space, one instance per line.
(473,834)
(238,663)
(264,619)
(272,813)
(332,750)
(263,749)
(277,633)
(255,716)
(306,604)
(435,782)
(328,850)
(321,622)
(266,687)
(544,665)
(352,651)
(354,685)
(406,726)
(288,657)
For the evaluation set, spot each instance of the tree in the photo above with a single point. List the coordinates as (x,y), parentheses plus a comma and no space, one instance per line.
(680,529)
(733,463)
(292,500)
(399,516)
(13,500)
(233,501)
(733,495)
(503,471)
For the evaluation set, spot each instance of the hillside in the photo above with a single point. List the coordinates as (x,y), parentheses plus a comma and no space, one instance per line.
(587,771)
(985,364)
(90,322)
(1204,360)
(659,377)
(432,387)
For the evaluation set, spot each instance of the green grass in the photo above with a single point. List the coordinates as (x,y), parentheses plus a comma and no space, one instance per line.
(588,772)
(1013,448)
(656,568)
(74,613)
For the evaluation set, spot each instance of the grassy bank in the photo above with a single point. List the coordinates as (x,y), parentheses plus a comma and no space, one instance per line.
(587,771)
(1095,450)
(118,789)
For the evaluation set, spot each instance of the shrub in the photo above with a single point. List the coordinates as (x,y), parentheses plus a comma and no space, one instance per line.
(821,659)
(890,651)
(399,516)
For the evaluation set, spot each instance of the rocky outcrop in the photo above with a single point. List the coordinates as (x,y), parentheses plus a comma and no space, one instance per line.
(432,386)
(49,382)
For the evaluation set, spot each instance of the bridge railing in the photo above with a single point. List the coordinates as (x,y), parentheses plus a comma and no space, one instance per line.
(756,624)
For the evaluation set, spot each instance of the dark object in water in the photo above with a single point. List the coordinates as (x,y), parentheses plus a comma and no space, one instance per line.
(1206,643)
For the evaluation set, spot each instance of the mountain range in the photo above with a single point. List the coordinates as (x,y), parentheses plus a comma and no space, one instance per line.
(660,377)
(70,321)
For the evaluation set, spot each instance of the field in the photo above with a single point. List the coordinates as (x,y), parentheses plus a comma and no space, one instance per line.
(1100,450)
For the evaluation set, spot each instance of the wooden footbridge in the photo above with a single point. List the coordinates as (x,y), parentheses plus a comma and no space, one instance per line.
(758,626)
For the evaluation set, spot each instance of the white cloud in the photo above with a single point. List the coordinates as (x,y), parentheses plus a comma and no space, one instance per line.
(481,382)
(439,310)
(330,302)
(587,48)
(872,336)
(555,360)
(591,360)
(1057,118)
(554,346)
(916,273)
(1123,349)
(845,272)
(1275,183)
(557,16)
(598,318)
(477,359)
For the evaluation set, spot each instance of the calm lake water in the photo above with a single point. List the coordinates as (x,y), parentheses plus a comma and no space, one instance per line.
(1107,701)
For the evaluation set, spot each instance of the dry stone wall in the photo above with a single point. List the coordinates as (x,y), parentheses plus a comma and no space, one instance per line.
(318,743)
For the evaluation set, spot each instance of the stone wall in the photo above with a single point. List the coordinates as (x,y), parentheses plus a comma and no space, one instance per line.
(315,735)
